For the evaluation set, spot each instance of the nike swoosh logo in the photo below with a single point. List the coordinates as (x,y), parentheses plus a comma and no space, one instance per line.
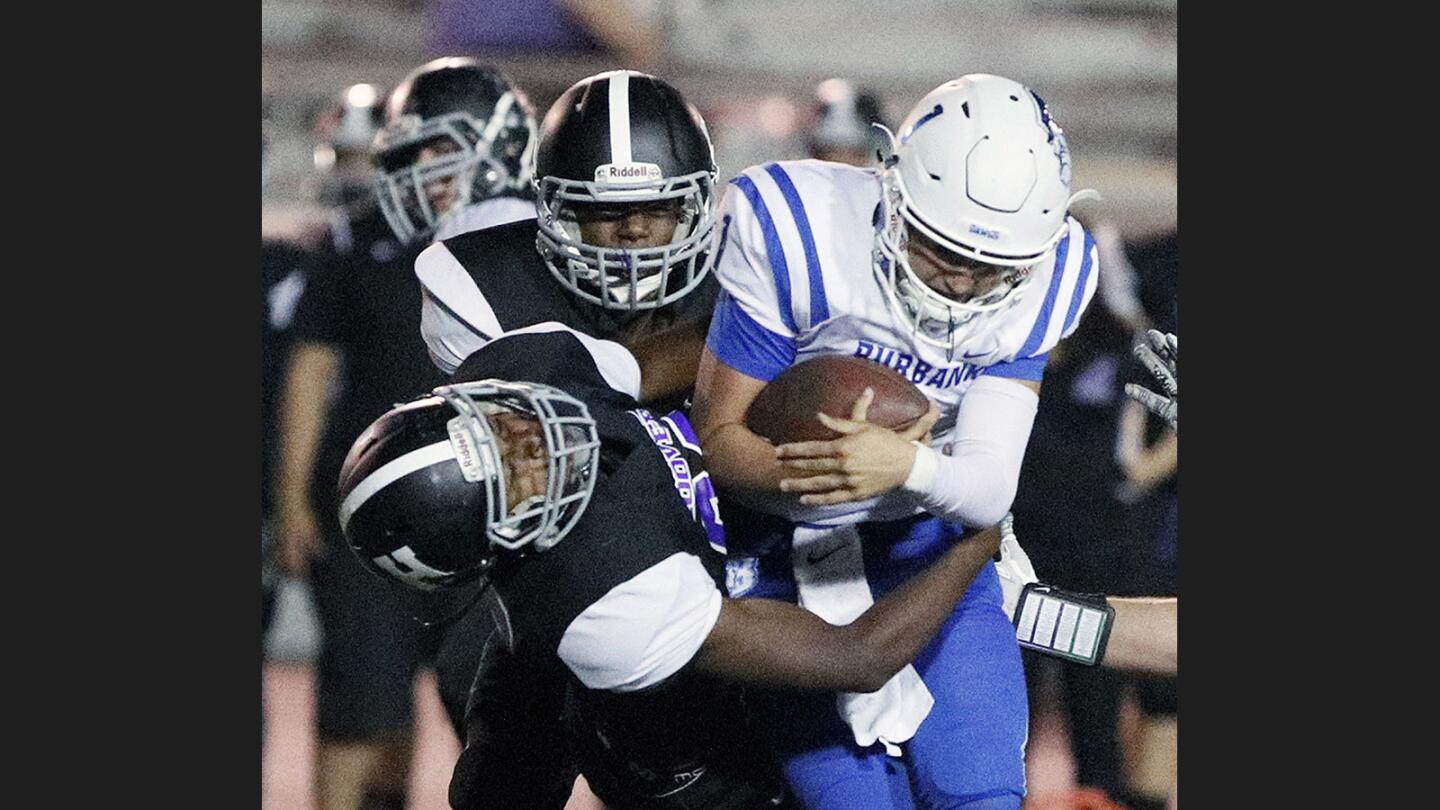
(815,558)
(974,356)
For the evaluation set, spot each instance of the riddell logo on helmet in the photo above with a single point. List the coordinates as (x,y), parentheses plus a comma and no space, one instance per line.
(466,453)
(985,232)
(628,173)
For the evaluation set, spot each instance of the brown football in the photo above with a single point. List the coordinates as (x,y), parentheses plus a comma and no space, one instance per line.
(784,411)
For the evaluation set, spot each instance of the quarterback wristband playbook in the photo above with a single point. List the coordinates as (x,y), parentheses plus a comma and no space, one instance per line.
(1063,624)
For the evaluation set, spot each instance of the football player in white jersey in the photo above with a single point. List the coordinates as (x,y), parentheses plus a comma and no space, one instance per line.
(956,264)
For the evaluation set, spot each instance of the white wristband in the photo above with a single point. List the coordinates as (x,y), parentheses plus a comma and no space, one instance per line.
(922,471)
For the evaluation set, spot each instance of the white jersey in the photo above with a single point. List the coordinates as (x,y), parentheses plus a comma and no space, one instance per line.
(796,244)
(484,214)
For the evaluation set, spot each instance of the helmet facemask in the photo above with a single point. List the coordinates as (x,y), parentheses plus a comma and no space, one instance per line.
(935,318)
(626,278)
(572,450)
(490,157)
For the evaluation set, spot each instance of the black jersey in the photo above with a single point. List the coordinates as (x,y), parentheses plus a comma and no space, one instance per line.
(284,270)
(483,283)
(361,300)
(614,613)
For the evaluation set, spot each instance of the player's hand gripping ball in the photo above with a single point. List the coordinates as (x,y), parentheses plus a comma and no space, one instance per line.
(843,426)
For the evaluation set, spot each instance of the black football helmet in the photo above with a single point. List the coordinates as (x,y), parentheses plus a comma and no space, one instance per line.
(474,111)
(344,128)
(624,137)
(423,490)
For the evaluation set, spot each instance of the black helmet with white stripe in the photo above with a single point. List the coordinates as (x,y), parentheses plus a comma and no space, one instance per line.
(429,494)
(456,132)
(611,142)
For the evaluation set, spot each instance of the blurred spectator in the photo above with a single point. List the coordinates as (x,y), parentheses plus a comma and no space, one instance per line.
(617,29)
(842,129)
(343,130)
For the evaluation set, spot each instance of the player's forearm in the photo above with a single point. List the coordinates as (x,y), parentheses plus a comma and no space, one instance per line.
(976,484)
(740,460)
(670,360)
(892,632)
(313,367)
(779,644)
(1144,637)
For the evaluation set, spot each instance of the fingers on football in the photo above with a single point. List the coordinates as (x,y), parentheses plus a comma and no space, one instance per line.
(922,425)
(828,498)
(825,464)
(805,450)
(861,408)
(845,426)
(814,483)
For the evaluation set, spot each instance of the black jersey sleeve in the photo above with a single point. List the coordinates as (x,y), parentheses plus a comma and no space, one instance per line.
(320,312)
(557,355)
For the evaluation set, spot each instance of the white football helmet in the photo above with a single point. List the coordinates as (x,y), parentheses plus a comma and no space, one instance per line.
(981,169)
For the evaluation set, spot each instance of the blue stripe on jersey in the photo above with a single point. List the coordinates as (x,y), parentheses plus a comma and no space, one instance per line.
(1026,368)
(1042,321)
(772,247)
(819,310)
(744,345)
(1079,285)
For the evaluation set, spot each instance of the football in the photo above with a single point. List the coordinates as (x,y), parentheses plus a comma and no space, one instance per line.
(784,411)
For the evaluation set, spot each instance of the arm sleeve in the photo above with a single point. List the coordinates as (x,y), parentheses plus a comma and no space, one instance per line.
(455,318)
(976,484)
(645,629)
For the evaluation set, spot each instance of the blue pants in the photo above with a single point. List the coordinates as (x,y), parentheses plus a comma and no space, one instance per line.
(968,753)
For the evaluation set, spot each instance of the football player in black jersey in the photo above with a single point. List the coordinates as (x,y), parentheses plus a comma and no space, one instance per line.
(456,151)
(453,151)
(617,247)
(593,520)
(619,244)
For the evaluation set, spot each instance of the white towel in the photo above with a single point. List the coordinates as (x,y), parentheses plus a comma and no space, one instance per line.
(830,574)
